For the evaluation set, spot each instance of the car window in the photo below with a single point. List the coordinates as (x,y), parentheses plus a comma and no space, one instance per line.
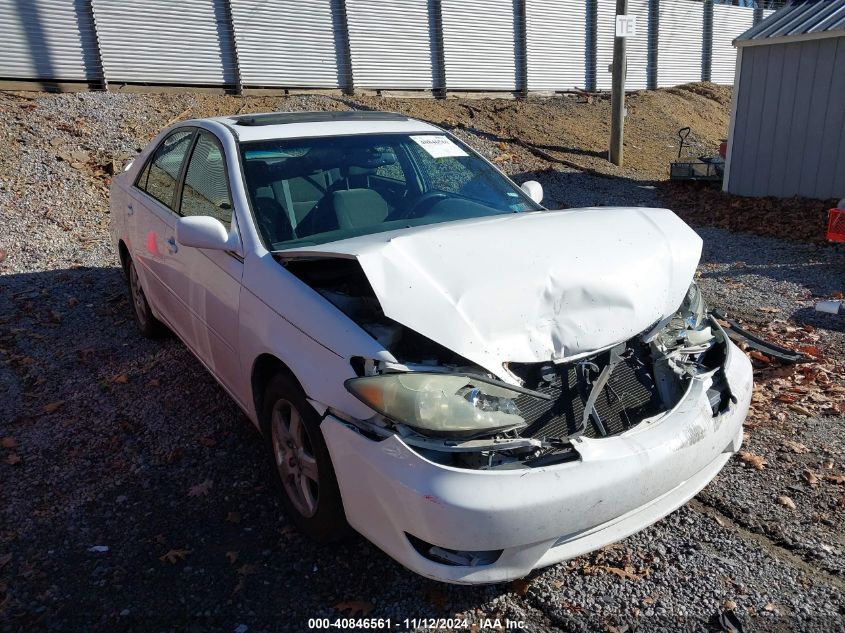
(319,190)
(165,165)
(206,191)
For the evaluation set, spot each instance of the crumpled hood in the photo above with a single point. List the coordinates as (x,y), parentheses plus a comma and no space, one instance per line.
(529,287)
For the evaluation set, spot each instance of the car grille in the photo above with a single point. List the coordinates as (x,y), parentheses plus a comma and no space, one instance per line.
(628,398)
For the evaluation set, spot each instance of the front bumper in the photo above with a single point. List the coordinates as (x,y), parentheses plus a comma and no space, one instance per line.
(537,516)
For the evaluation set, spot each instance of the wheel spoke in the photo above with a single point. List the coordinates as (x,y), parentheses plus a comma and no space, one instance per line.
(280,423)
(295,427)
(309,467)
(308,498)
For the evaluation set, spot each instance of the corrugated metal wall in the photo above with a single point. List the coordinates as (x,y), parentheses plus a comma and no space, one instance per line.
(728,23)
(556,44)
(290,43)
(48,39)
(392,45)
(790,116)
(679,42)
(479,42)
(637,46)
(505,45)
(164,42)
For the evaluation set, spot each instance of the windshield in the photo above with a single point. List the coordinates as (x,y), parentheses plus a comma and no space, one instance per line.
(313,191)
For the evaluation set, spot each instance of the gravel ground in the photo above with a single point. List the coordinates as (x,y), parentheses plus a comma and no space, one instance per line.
(118,451)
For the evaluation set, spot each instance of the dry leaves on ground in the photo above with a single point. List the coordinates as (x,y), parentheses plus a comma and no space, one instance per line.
(754,461)
(174,556)
(786,501)
(201,489)
(354,608)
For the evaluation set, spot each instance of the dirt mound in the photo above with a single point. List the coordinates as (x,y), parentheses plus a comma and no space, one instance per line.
(575,130)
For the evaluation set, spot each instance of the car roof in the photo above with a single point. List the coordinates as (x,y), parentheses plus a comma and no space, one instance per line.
(278,125)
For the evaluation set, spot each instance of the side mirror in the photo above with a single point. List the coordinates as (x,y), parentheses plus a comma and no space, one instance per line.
(203,231)
(534,190)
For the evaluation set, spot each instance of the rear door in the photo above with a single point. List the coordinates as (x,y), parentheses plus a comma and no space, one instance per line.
(151,215)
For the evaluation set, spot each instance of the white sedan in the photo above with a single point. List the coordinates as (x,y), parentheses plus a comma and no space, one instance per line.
(478,385)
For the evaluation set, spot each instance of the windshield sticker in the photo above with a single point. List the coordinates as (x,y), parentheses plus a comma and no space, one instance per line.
(438,146)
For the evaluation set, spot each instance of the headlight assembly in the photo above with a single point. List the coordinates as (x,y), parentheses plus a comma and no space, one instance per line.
(440,403)
(689,325)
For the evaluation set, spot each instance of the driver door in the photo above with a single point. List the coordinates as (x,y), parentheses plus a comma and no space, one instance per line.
(211,278)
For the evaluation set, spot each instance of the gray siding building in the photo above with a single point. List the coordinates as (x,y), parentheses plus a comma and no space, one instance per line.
(787,132)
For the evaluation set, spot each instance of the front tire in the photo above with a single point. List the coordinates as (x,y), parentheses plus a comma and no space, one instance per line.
(148,325)
(309,490)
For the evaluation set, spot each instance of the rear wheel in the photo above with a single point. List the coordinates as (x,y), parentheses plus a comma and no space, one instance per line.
(310,494)
(148,325)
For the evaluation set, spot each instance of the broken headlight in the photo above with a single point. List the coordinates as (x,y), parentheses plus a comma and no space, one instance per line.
(440,403)
(689,325)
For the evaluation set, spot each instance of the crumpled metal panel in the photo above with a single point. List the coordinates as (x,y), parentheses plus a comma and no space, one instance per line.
(164,42)
(290,43)
(680,42)
(48,39)
(556,44)
(529,287)
(479,41)
(637,46)
(392,44)
(729,22)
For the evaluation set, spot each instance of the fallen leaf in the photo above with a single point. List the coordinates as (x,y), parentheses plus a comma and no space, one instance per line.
(233,517)
(755,461)
(122,379)
(768,309)
(154,382)
(799,409)
(354,608)
(208,442)
(795,447)
(771,607)
(175,455)
(9,442)
(827,464)
(759,356)
(232,556)
(729,605)
(201,489)
(786,501)
(174,556)
(557,584)
(53,407)
(521,586)
(810,477)
(13,459)
(835,479)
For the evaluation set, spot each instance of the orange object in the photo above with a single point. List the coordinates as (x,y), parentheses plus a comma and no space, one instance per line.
(836,225)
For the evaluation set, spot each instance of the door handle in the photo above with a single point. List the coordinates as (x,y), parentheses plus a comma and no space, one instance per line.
(172,246)
(129,210)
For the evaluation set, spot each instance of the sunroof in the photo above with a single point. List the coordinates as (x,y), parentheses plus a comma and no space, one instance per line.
(281,118)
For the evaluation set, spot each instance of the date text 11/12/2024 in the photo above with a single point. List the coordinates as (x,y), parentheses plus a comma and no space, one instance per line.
(412,624)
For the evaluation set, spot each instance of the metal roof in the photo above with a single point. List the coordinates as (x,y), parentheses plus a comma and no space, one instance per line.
(801,19)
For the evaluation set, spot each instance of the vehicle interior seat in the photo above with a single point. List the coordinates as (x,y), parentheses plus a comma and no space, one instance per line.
(359,207)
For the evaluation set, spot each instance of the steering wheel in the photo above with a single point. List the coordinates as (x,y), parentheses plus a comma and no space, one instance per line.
(423,203)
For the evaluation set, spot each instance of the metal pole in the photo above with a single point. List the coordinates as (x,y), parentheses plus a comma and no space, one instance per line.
(617,95)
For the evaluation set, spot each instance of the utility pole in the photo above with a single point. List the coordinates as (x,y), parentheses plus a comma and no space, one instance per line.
(617,95)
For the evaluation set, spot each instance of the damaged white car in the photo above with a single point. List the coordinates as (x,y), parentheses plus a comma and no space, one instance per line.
(478,385)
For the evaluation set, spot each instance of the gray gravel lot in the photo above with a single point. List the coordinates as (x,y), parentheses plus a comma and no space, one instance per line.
(106,433)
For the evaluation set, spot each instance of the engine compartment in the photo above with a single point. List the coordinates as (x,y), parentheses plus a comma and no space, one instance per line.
(599,395)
